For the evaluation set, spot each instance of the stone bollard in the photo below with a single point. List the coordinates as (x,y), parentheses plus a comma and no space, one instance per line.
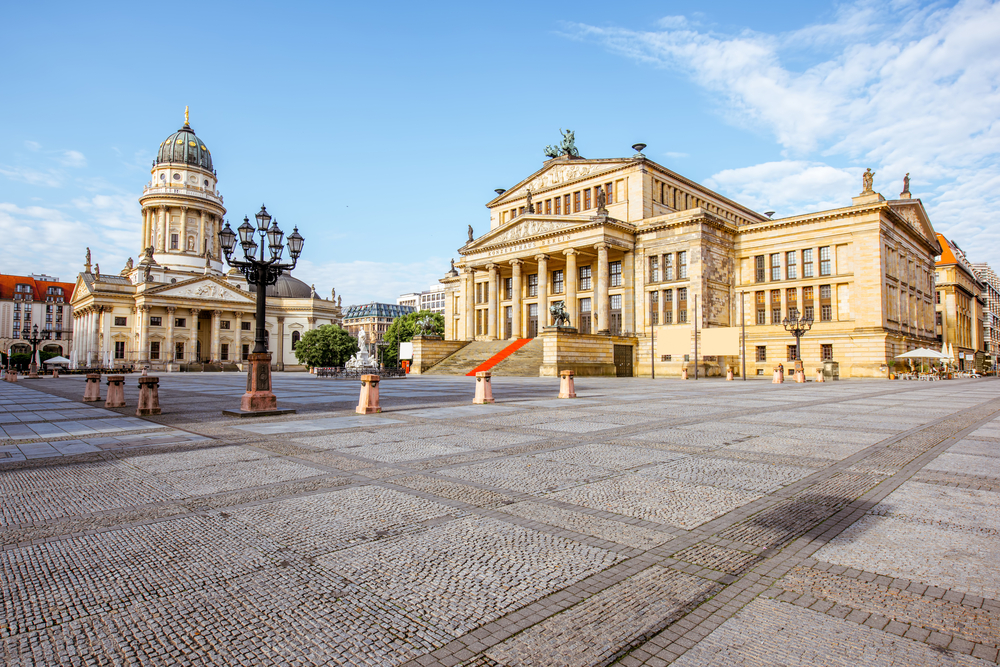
(684,373)
(484,389)
(93,390)
(819,375)
(55,372)
(779,375)
(149,396)
(567,389)
(11,376)
(800,376)
(116,392)
(729,373)
(368,401)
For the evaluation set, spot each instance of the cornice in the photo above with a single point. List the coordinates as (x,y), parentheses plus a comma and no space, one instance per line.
(594,222)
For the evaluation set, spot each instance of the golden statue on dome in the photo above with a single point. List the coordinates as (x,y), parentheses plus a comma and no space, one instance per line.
(186,118)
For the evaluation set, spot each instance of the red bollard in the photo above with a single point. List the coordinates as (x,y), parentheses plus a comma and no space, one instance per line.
(116,392)
(819,375)
(368,401)
(779,374)
(567,389)
(149,396)
(484,389)
(92,392)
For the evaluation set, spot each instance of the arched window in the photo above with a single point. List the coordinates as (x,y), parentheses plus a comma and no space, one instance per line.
(295,338)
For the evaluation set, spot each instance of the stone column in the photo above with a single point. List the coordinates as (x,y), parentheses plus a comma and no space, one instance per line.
(662,307)
(162,228)
(105,332)
(628,292)
(280,356)
(492,330)
(571,278)
(543,291)
(97,334)
(142,312)
(238,354)
(192,355)
(601,293)
(169,356)
(214,343)
(145,228)
(201,233)
(470,306)
(516,304)
(182,237)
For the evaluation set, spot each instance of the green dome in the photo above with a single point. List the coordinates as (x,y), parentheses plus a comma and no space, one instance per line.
(183,147)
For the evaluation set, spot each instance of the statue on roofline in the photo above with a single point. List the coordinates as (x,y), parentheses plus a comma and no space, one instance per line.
(531,207)
(470,234)
(906,182)
(867,179)
(566,147)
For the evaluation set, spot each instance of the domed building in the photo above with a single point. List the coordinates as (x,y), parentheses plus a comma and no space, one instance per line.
(179,306)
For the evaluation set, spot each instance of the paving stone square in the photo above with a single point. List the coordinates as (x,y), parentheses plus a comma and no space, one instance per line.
(648,523)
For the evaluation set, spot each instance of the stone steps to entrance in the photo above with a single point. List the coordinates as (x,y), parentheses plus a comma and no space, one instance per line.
(525,362)
(500,356)
(467,358)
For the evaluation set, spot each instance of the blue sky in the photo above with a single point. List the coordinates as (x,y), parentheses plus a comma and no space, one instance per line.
(382,130)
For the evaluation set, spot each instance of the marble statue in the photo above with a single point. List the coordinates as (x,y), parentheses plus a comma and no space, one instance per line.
(312,294)
(867,179)
(470,234)
(147,274)
(147,256)
(362,362)
(906,182)
(363,342)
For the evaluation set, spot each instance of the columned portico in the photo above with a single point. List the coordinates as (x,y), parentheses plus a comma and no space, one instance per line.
(491,328)
(543,290)
(516,306)
(601,326)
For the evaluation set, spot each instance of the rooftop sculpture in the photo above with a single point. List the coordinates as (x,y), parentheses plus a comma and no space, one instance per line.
(566,147)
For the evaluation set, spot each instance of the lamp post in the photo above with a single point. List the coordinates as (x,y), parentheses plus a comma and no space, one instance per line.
(260,272)
(797,326)
(34,337)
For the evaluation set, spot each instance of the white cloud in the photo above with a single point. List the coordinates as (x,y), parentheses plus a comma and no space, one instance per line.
(73,159)
(48,178)
(898,87)
(33,146)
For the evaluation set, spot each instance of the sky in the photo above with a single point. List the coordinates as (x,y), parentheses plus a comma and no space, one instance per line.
(382,129)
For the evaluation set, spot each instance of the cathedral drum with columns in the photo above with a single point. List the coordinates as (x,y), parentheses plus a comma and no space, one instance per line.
(176,308)
(657,273)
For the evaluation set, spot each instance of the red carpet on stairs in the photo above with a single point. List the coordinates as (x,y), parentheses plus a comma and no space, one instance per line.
(500,356)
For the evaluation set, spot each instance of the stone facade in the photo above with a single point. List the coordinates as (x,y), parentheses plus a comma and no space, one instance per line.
(26,301)
(631,248)
(176,308)
(991,314)
(959,306)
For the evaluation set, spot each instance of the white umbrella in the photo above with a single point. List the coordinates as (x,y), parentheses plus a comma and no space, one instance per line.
(56,360)
(922,353)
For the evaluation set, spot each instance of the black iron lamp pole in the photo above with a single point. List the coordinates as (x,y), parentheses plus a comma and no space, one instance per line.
(260,271)
(34,337)
(797,326)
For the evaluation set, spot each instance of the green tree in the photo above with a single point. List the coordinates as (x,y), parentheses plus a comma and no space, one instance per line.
(328,345)
(403,329)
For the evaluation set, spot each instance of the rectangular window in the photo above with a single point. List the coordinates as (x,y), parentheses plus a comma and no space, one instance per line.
(616,302)
(533,284)
(825,292)
(760,272)
(654,269)
(791,266)
(776,266)
(807,313)
(775,315)
(224,352)
(826,352)
(760,299)
(179,351)
(825,268)
(479,292)
(937,297)
(668,266)
(825,313)
(156,321)
(119,349)
(682,297)
(479,322)
(576,202)
(682,265)
(654,307)
(180,322)
(223,324)
(154,350)
(508,288)
(616,273)
(173,241)
(761,353)
(121,321)
(586,199)
(548,207)
(807,263)
(557,282)
(486,292)
(558,206)
(792,353)
(665,357)
(566,204)
(246,352)
(584,278)
(668,306)
(609,192)
(791,298)
(245,326)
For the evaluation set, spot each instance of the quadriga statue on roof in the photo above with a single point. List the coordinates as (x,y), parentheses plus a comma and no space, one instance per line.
(566,147)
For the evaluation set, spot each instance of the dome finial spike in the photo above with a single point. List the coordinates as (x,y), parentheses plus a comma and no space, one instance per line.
(186,119)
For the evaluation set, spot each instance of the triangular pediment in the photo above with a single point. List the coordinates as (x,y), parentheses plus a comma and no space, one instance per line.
(913,212)
(557,172)
(523,228)
(205,288)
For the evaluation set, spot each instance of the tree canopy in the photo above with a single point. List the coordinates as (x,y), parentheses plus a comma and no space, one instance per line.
(325,346)
(403,329)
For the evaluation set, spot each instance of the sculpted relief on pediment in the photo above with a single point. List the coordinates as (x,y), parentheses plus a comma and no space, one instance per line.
(526,229)
(205,290)
(561,174)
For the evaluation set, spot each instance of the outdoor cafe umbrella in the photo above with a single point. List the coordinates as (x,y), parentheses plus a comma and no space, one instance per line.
(56,360)
(922,353)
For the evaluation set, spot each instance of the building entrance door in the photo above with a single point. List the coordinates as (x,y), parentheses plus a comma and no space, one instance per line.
(584,324)
(623,361)
(508,314)
(532,320)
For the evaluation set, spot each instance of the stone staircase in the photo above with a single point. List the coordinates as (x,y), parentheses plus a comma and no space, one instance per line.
(524,363)
(467,358)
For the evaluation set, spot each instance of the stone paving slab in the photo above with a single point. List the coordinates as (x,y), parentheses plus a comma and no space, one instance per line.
(305,425)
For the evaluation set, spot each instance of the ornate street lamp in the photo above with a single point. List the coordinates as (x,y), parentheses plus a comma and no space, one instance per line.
(34,337)
(797,326)
(260,271)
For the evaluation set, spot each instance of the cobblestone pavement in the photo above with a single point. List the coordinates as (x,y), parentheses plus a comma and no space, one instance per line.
(645,523)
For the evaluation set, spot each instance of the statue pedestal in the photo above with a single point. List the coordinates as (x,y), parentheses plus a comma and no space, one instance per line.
(258,400)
